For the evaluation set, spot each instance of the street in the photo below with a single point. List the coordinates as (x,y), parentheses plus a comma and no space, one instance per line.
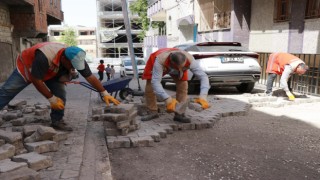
(267,143)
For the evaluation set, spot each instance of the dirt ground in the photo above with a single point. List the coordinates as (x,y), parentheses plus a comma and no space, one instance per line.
(268,143)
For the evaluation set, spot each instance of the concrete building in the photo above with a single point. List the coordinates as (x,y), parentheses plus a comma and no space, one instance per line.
(291,26)
(22,24)
(86,38)
(111,33)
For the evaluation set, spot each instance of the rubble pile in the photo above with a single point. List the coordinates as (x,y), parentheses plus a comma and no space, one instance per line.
(24,136)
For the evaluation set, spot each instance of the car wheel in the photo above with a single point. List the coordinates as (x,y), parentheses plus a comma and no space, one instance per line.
(245,87)
(125,92)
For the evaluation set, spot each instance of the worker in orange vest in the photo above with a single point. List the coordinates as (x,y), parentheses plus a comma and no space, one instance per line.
(48,66)
(284,64)
(176,63)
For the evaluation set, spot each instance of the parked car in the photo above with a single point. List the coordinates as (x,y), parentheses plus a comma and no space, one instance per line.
(126,68)
(225,63)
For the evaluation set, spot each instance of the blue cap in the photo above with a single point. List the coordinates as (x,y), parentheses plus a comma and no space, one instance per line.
(77,57)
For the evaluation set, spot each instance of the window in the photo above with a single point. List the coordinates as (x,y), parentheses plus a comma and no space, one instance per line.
(313,9)
(282,10)
(56,33)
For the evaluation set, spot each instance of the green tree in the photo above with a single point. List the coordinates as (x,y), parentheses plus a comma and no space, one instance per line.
(140,7)
(69,37)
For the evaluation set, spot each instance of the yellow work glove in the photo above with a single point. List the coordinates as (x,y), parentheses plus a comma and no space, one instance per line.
(203,101)
(56,103)
(290,96)
(108,98)
(171,104)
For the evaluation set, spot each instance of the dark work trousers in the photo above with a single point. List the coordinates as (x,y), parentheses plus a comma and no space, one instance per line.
(271,78)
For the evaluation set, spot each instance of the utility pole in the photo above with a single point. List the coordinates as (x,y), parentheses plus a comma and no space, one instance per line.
(129,37)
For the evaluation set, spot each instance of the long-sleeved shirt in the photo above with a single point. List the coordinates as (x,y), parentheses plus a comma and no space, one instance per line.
(157,74)
(287,72)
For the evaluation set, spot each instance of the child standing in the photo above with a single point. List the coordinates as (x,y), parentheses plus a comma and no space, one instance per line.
(108,71)
(100,70)
(113,71)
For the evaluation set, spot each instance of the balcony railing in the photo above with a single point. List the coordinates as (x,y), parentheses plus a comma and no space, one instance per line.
(309,83)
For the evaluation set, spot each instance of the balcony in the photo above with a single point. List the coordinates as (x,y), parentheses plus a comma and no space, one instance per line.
(156,10)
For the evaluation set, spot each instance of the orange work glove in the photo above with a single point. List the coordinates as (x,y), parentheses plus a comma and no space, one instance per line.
(108,98)
(171,104)
(56,103)
(203,101)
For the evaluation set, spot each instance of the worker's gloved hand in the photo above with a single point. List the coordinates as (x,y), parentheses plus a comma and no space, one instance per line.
(290,96)
(202,99)
(108,98)
(56,103)
(171,104)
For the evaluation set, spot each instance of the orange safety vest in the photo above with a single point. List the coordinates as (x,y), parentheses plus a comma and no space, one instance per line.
(277,62)
(147,73)
(53,52)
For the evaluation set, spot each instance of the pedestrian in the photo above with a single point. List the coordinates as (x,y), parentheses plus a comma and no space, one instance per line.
(101,70)
(176,63)
(48,66)
(284,64)
(113,71)
(108,71)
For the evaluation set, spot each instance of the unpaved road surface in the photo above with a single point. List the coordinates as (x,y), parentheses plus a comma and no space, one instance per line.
(268,143)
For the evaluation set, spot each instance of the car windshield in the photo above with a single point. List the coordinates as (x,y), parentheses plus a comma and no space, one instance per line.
(215,48)
(139,62)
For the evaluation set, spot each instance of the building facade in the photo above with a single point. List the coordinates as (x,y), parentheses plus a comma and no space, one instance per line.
(200,20)
(289,26)
(24,23)
(111,33)
(85,36)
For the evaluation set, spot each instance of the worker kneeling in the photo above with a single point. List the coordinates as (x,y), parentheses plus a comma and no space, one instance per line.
(176,63)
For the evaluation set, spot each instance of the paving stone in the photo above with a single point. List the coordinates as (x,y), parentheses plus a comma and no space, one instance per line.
(42,146)
(7,151)
(69,174)
(141,141)
(34,160)
(195,106)
(127,109)
(95,117)
(28,110)
(17,104)
(2,142)
(20,174)
(18,122)
(124,131)
(112,132)
(9,116)
(29,129)
(41,112)
(10,137)
(133,115)
(111,125)
(113,117)
(97,111)
(123,124)
(110,141)
(60,136)
(41,106)
(42,133)
(160,131)
(155,136)
(7,165)
(121,142)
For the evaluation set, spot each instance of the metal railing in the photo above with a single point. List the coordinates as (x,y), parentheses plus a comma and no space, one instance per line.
(309,83)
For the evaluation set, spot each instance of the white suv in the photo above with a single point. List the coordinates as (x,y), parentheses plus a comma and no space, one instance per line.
(126,68)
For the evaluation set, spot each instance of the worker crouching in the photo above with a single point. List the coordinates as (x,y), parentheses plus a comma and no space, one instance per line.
(176,63)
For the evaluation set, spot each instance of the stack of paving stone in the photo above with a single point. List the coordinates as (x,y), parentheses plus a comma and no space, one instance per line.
(118,120)
(22,144)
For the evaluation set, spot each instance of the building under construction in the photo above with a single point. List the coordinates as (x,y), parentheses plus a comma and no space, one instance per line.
(111,33)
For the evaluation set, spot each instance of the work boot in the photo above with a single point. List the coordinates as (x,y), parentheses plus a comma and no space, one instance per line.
(150,115)
(181,118)
(61,125)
